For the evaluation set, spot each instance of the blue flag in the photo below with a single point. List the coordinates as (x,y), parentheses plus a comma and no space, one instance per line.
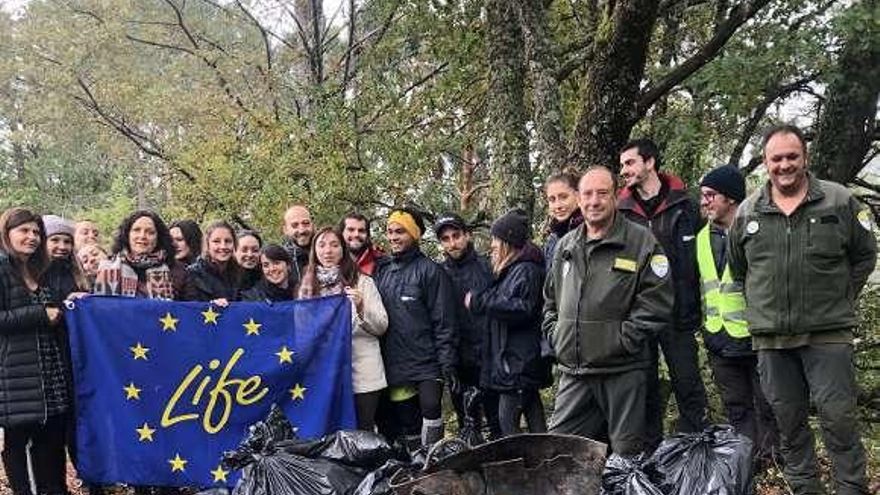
(164,388)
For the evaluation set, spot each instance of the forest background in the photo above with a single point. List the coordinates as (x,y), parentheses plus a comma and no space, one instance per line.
(234,109)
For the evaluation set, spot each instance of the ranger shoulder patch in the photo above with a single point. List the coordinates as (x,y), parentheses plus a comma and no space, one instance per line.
(660,265)
(864,218)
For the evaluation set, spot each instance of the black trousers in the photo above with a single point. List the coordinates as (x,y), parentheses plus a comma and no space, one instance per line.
(513,405)
(747,409)
(366,405)
(48,456)
(680,352)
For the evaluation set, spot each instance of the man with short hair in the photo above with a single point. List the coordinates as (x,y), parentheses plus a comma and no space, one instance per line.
(419,347)
(298,230)
(725,330)
(355,229)
(607,292)
(660,201)
(468,271)
(804,248)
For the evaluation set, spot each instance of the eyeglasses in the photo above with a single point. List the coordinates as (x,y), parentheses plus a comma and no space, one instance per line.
(709,195)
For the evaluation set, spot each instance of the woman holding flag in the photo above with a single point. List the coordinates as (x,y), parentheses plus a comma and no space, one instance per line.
(331,270)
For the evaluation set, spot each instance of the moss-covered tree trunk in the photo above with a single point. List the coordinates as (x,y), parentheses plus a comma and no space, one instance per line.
(847,124)
(511,174)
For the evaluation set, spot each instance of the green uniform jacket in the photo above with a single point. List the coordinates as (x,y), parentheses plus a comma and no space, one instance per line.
(604,298)
(802,273)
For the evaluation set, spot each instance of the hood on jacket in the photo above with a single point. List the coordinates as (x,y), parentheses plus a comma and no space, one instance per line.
(677,192)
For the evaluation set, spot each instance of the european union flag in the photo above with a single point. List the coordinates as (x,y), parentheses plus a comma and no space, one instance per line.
(164,388)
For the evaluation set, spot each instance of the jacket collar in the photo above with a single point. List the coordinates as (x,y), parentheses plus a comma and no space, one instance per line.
(814,193)
(469,255)
(616,235)
(677,193)
(565,226)
(407,256)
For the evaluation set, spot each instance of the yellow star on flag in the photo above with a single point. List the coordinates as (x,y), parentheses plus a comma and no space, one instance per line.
(145,433)
(132,392)
(285,355)
(298,392)
(178,463)
(252,327)
(139,351)
(210,315)
(219,474)
(168,323)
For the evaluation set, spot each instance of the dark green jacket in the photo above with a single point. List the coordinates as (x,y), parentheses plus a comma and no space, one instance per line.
(604,298)
(802,273)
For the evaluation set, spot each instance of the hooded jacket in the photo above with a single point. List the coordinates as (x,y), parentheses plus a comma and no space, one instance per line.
(512,304)
(604,298)
(470,273)
(675,224)
(421,339)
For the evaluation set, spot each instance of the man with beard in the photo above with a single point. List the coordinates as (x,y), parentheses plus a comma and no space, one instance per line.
(355,229)
(469,272)
(420,343)
(660,202)
(298,230)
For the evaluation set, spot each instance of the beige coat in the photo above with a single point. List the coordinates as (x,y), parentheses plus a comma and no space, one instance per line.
(368,372)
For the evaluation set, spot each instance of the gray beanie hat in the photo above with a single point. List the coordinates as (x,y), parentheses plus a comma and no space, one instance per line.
(57,225)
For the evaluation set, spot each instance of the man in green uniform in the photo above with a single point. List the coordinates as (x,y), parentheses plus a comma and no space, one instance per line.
(607,293)
(804,249)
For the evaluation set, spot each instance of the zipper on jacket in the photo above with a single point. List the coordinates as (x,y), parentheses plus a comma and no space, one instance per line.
(787,273)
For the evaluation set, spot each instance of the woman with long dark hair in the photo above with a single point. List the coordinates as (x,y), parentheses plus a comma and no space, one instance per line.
(247,253)
(275,284)
(216,276)
(512,362)
(331,270)
(142,262)
(34,381)
(186,236)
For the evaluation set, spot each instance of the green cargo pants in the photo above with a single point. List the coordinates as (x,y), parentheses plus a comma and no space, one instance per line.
(824,373)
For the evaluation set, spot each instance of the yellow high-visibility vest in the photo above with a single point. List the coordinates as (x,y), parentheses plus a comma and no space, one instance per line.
(723,301)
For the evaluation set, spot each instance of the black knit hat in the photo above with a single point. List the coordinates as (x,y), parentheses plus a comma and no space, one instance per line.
(512,228)
(727,180)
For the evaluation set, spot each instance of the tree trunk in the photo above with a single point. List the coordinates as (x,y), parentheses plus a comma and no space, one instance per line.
(848,121)
(550,152)
(608,111)
(511,175)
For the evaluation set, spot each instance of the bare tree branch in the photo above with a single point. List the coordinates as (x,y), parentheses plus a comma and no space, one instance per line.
(159,44)
(739,14)
(771,95)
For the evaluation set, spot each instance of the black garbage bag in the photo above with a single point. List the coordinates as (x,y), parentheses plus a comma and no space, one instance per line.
(267,469)
(378,482)
(717,461)
(363,449)
(623,475)
(470,430)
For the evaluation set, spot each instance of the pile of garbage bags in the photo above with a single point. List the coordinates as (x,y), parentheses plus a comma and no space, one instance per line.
(272,460)
(717,461)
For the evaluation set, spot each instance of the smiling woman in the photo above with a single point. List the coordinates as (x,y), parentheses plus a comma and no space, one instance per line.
(34,380)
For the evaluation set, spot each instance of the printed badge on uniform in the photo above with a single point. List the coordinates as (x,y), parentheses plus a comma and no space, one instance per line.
(865,221)
(752,227)
(660,265)
(625,264)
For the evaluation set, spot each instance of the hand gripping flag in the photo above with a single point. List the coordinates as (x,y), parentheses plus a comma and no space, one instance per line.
(164,388)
